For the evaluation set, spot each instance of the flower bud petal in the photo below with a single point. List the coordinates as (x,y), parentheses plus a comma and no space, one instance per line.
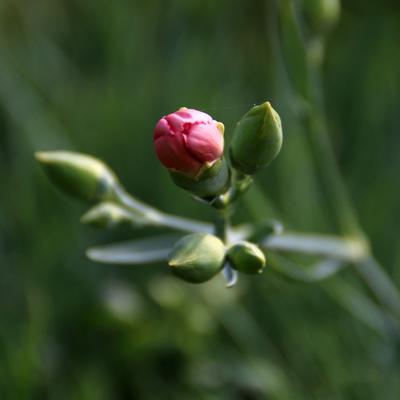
(205,142)
(197,257)
(78,175)
(168,147)
(246,257)
(191,116)
(257,139)
(188,141)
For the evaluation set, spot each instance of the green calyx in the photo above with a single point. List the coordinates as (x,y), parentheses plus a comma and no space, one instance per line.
(197,257)
(212,182)
(246,257)
(78,175)
(257,139)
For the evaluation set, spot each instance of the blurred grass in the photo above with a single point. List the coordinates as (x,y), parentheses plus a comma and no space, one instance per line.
(95,76)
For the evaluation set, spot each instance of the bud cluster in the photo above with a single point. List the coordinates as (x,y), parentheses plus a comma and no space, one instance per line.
(190,144)
(198,257)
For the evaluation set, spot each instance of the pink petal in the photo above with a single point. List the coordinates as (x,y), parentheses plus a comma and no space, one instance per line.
(205,142)
(184,116)
(172,153)
(189,115)
(162,128)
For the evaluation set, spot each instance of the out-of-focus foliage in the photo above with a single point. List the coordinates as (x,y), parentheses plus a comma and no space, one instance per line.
(95,76)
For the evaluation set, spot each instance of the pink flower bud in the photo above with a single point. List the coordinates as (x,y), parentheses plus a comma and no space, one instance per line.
(188,140)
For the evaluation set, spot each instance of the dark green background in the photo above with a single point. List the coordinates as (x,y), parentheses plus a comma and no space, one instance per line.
(95,76)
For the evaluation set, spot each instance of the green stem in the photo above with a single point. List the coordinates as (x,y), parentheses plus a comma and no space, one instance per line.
(368,269)
(315,122)
(221,229)
(240,184)
(348,248)
(380,284)
(158,218)
(222,225)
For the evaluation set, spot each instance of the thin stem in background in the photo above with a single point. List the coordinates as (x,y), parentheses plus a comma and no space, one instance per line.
(315,122)
(380,283)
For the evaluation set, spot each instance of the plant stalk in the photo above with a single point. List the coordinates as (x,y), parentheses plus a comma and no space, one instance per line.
(221,229)
(345,248)
(316,123)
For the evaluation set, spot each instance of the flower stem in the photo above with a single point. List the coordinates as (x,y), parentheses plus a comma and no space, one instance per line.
(222,228)
(315,122)
(157,218)
(380,284)
(222,224)
(346,248)
(240,184)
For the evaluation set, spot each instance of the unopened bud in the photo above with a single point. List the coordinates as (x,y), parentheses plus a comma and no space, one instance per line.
(190,144)
(197,257)
(246,257)
(257,139)
(79,175)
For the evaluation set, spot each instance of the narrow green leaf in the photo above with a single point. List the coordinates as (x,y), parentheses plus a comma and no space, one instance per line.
(316,272)
(135,252)
(362,307)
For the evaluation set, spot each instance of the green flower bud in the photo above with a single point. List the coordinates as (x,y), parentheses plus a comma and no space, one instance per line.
(212,182)
(257,139)
(108,214)
(321,15)
(197,257)
(78,175)
(246,257)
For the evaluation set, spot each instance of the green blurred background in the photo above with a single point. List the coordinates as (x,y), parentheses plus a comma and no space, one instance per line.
(95,76)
